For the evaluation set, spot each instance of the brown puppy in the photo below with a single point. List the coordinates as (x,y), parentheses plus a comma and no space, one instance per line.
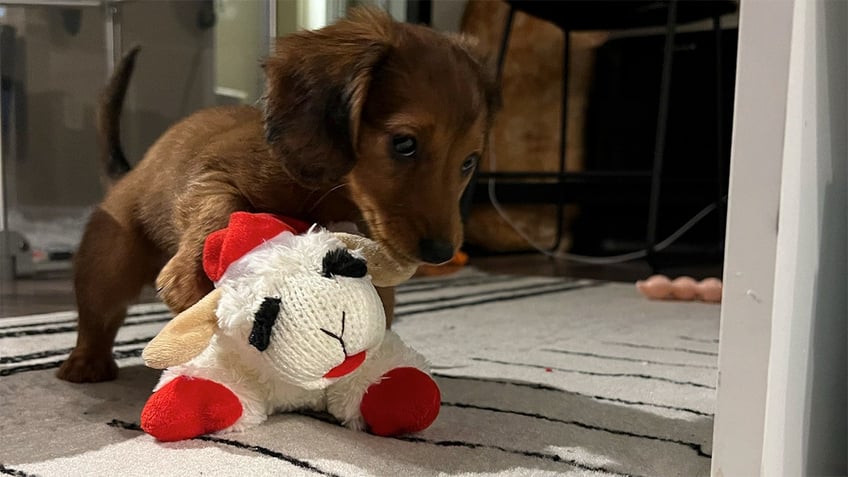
(367,120)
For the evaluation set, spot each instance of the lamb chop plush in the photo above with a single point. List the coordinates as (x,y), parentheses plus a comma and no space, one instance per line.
(294,323)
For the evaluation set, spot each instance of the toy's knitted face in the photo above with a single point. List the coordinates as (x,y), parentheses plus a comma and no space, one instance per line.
(304,307)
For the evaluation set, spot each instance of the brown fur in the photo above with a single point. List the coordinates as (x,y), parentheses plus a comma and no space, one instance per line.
(320,150)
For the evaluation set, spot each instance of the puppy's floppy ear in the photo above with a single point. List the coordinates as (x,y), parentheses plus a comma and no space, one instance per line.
(487,69)
(316,85)
(185,336)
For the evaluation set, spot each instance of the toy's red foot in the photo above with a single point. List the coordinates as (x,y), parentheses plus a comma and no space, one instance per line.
(405,400)
(188,407)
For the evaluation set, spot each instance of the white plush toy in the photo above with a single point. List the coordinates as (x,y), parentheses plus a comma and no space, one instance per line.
(294,322)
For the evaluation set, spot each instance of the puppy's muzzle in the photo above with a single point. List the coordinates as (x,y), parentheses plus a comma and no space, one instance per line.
(435,251)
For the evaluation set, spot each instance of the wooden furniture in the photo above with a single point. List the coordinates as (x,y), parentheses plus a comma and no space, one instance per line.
(564,187)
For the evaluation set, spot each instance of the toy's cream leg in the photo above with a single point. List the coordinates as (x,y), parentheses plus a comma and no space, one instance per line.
(254,412)
(260,402)
(345,396)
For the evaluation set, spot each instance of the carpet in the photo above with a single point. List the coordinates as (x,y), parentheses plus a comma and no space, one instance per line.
(539,376)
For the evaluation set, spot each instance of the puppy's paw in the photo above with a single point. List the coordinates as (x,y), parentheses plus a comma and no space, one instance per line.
(82,367)
(181,283)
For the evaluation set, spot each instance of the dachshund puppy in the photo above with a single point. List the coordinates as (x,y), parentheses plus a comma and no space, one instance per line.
(368,120)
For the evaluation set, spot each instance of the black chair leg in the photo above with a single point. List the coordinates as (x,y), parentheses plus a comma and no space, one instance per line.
(467,200)
(720,154)
(510,17)
(659,144)
(566,63)
(564,113)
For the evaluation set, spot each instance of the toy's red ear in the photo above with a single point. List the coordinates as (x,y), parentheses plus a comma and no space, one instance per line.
(185,336)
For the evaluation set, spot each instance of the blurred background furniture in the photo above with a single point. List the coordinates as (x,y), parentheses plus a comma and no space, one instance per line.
(625,156)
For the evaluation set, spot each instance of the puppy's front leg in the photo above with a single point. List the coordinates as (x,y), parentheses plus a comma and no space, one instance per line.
(182,282)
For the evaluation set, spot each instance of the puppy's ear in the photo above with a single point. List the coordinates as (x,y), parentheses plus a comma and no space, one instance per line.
(317,82)
(486,67)
(185,336)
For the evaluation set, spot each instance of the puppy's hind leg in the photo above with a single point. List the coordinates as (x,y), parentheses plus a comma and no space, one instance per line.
(112,264)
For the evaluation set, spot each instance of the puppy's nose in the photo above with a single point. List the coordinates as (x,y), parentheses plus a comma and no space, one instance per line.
(435,251)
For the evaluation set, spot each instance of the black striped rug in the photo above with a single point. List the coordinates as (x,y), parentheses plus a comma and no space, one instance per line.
(539,376)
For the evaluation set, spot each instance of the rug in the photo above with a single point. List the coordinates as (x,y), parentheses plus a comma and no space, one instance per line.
(539,377)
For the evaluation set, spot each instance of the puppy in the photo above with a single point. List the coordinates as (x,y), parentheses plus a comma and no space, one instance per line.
(367,120)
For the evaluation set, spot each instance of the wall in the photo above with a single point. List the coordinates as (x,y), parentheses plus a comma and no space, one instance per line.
(447,14)
(805,425)
(286,16)
(782,362)
(241,41)
(749,273)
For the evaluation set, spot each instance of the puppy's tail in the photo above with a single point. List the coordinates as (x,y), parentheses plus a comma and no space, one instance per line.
(109,118)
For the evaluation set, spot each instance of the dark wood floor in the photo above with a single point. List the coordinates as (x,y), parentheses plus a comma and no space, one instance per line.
(53,292)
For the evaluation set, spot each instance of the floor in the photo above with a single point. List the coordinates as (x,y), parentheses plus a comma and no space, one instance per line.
(50,292)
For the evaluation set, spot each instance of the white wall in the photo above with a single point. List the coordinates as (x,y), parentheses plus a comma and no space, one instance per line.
(782,395)
(805,427)
(241,42)
(755,170)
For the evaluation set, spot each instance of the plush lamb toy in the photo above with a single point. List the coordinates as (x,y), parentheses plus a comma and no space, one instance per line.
(294,322)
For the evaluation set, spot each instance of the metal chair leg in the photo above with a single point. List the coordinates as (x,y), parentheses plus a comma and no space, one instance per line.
(510,17)
(467,200)
(720,155)
(659,144)
(566,63)
(564,113)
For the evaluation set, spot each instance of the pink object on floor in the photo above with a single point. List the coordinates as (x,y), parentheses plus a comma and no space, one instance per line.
(661,287)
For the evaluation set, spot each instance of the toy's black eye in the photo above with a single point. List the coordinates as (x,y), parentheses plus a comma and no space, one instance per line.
(340,262)
(404,145)
(263,322)
(470,163)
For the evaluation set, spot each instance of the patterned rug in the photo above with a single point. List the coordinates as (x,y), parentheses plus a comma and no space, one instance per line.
(539,376)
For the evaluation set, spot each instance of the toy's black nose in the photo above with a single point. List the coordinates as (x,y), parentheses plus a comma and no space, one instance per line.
(435,251)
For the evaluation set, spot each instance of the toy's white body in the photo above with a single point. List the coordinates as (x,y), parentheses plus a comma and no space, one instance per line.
(294,323)
(262,393)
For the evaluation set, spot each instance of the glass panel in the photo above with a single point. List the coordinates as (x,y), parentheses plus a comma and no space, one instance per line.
(239,50)
(54,61)
(52,64)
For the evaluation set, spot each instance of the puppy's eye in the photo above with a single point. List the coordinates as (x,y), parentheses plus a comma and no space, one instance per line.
(470,163)
(404,145)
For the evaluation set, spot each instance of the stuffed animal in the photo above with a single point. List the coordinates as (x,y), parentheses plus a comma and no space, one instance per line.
(294,323)
(660,287)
